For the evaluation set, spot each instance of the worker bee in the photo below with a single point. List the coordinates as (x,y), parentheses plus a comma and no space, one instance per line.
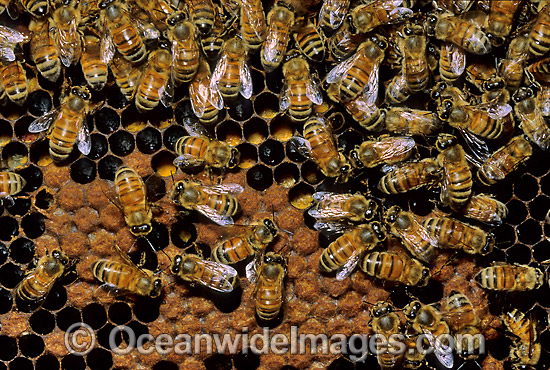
(415,68)
(10,37)
(231,6)
(11,183)
(452,61)
(453,234)
(332,13)
(505,160)
(454,6)
(414,357)
(484,208)
(543,100)
(427,320)
(205,102)
(463,320)
(37,8)
(463,31)
(384,321)
(66,36)
(367,17)
(510,277)
(218,203)
(344,43)
(269,278)
(126,75)
(300,90)
(127,277)
(412,233)
(407,121)
(232,74)
(532,122)
(158,11)
(14,80)
(484,77)
(499,20)
(539,71)
(156,82)
(132,194)
(211,44)
(364,111)
(210,274)
(343,254)
(185,49)
(280,22)
(202,14)
(382,150)
(395,268)
(253,24)
(67,125)
(331,208)
(512,67)
(456,186)
(359,72)
(319,144)
(94,69)
(397,90)
(525,352)
(310,42)
(253,241)
(539,36)
(36,285)
(410,176)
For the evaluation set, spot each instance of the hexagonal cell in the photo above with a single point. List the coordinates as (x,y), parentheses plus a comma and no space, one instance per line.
(230,132)
(282,128)
(6,132)
(163,163)
(146,309)
(33,225)
(541,250)
(149,140)
(287,175)
(184,110)
(538,207)
(6,301)
(505,236)
(83,171)
(56,298)
(519,253)
(311,173)
(183,234)
(120,313)
(39,153)
(20,206)
(22,250)
(21,130)
(259,177)
(4,252)
(122,143)
(106,120)
(39,103)
(67,317)
(517,212)
(100,146)
(349,139)
(249,155)
(9,348)
(301,196)
(257,81)
(255,131)
(115,98)
(42,322)
(31,345)
(94,315)
(529,232)
(526,188)
(293,153)
(241,110)
(73,362)
(171,135)
(9,229)
(272,152)
(266,105)
(47,362)
(15,154)
(133,120)
(165,365)
(537,167)
(274,80)
(108,166)
(99,358)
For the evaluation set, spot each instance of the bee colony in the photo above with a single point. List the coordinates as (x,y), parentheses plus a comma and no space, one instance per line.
(376,166)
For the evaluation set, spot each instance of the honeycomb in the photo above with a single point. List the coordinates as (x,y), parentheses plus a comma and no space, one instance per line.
(68,207)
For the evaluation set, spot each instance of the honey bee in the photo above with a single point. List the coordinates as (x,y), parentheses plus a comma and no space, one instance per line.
(332,13)
(127,277)
(364,111)
(453,234)
(532,122)
(345,42)
(185,49)
(11,183)
(510,277)
(218,203)
(210,274)
(367,17)
(387,323)
(395,268)
(452,62)
(543,100)
(126,75)
(95,70)
(37,284)
(231,6)
(415,68)
(499,21)
(343,254)
(463,320)
(10,37)
(454,6)
(66,36)
(300,90)
(67,125)
(37,8)
(14,80)
(411,176)
(427,320)
(253,24)
(512,67)
(310,42)
(319,144)
(359,72)
(382,150)
(240,247)
(413,357)
(484,208)
(407,121)
(132,193)
(412,233)
(456,186)
(202,14)
(397,90)
(205,102)
(484,77)
(232,74)
(212,44)
(269,278)
(539,36)
(42,49)
(156,82)
(157,11)
(539,71)
(525,352)
(280,21)
(463,31)
(505,160)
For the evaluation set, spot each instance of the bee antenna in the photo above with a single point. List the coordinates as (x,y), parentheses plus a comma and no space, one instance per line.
(283,248)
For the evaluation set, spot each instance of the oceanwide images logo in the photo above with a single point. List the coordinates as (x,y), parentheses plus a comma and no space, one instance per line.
(80,339)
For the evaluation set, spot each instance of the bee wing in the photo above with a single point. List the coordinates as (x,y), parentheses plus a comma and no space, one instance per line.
(84,139)
(107,48)
(301,145)
(313,92)
(246,80)
(233,189)
(218,275)
(349,266)
(194,128)
(166,91)
(214,215)
(11,36)
(406,145)
(44,122)
(545,106)
(332,226)
(478,148)
(284,99)
(188,161)
(147,30)
(7,53)
(334,7)
(338,72)
(221,66)
(252,268)
(256,23)
(198,98)
(370,91)
(497,110)
(442,351)
(66,46)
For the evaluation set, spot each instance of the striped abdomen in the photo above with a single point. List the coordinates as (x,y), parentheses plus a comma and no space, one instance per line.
(321,140)
(127,40)
(14,79)
(192,146)
(269,297)
(94,69)
(44,53)
(301,106)
(10,183)
(338,253)
(253,24)
(117,275)
(233,250)
(64,133)
(539,37)
(131,190)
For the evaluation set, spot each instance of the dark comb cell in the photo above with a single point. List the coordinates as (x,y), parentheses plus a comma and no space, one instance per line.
(31,345)
(526,188)
(266,105)
(56,299)
(158,237)
(537,167)
(21,363)
(120,313)
(519,253)
(9,228)
(183,233)
(6,301)
(9,348)
(421,204)
(147,309)
(539,207)
(33,225)
(184,111)
(517,212)
(39,103)
(104,333)
(293,153)
(311,173)
(349,140)
(21,129)
(230,132)
(272,152)
(42,322)
(3,253)
(10,275)
(505,236)
(67,317)
(163,163)
(171,135)
(73,362)
(257,81)
(218,362)
(6,130)
(246,361)
(259,177)
(287,175)
(22,250)
(99,359)
(83,171)
(100,146)
(541,251)
(15,155)
(108,166)
(44,199)
(33,176)
(106,121)
(165,365)
(115,98)
(529,232)
(20,206)
(301,196)
(149,140)
(249,155)
(122,143)
(241,110)
(94,315)
(47,362)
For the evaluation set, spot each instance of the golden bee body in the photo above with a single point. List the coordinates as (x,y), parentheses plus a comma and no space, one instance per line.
(463,320)
(127,277)
(460,32)
(94,68)
(205,102)
(532,122)
(203,15)
(457,181)
(384,150)
(452,61)
(67,36)
(43,50)
(253,24)
(269,289)
(211,274)
(153,87)
(280,22)
(395,268)
(387,323)
(415,61)
(407,121)
(310,42)
(526,351)
(411,176)
(126,75)
(132,194)
(539,36)
(14,79)
(232,74)
(453,234)
(484,208)
(510,277)
(185,51)
(199,150)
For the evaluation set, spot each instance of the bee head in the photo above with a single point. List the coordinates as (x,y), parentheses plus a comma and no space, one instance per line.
(235,158)
(141,230)
(445,141)
(444,111)
(494,85)
(424,277)
(177,191)
(176,264)
(496,40)
(273,229)
(378,229)
(438,89)
(488,247)
(381,308)
(105,3)
(411,310)
(60,256)
(522,94)
(156,289)
(430,24)
(41,11)
(392,213)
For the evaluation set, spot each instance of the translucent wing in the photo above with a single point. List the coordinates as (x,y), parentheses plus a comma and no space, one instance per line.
(300,145)
(335,226)
(313,92)
(84,140)
(284,99)
(215,98)
(545,105)
(219,71)
(166,92)
(198,98)
(253,267)
(233,189)
(443,352)
(188,161)
(7,53)
(44,122)
(497,110)
(458,58)
(257,23)
(66,46)
(146,29)
(9,35)
(107,48)
(246,80)
(478,148)
(399,147)
(216,276)
(194,128)
(371,88)
(350,265)
(338,72)
(214,215)
(399,14)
